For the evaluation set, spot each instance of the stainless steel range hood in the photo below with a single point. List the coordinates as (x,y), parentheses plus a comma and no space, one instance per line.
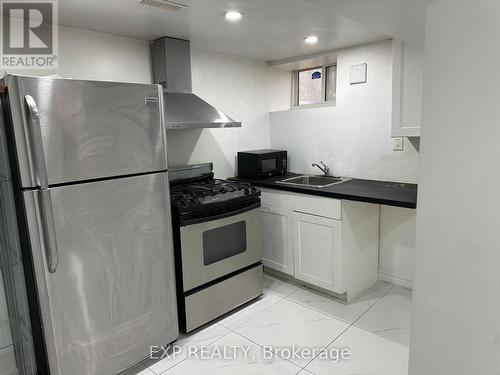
(172,69)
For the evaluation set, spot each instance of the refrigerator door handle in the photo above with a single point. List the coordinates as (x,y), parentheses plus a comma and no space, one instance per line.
(49,230)
(45,200)
(35,137)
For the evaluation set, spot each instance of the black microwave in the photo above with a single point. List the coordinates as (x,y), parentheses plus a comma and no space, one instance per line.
(261,163)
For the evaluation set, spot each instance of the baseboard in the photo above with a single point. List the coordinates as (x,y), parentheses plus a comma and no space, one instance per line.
(397,280)
(292,280)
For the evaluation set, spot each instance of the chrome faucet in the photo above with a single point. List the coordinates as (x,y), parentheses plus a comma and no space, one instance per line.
(324,168)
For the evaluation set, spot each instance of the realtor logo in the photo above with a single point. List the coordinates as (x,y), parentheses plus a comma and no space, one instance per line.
(29,34)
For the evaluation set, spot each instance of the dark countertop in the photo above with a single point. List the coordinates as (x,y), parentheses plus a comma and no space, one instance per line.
(370,191)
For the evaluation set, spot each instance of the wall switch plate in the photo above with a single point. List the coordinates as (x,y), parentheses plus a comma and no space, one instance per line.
(358,74)
(397,144)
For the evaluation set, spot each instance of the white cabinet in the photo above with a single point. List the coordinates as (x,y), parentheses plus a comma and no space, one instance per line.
(277,238)
(318,251)
(407,84)
(322,242)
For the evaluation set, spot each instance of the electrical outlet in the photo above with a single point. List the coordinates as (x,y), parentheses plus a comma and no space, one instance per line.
(397,144)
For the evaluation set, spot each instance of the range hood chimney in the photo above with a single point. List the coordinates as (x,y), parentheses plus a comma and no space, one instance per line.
(172,69)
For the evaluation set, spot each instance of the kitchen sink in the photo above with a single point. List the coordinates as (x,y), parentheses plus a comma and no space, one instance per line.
(314,181)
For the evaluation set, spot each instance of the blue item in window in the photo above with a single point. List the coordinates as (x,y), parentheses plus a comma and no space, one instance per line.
(316,75)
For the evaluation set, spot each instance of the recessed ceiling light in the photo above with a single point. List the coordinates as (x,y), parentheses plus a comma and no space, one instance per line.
(232,16)
(311,39)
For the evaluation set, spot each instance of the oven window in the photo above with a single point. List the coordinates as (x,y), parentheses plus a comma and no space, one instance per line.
(224,242)
(268,165)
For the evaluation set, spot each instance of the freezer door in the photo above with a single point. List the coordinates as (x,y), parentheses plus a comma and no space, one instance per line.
(83,130)
(111,294)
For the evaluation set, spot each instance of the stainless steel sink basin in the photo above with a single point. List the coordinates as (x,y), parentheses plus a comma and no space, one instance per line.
(314,181)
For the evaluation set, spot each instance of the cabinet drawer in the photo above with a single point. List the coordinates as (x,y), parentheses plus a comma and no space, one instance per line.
(220,298)
(321,206)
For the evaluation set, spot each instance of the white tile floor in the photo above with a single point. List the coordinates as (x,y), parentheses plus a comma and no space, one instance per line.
(375,329)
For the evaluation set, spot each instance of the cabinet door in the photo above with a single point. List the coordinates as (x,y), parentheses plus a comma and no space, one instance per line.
(277,239)
(317,251)
(407,79)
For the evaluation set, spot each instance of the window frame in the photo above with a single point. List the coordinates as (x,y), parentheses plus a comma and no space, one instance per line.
(295,87)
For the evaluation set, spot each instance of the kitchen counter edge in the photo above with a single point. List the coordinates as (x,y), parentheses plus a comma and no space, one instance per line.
(387,193)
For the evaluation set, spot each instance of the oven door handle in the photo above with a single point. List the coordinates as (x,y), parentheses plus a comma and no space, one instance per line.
(221,216)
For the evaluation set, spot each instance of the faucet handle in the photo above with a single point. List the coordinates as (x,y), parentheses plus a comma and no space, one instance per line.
(326,168)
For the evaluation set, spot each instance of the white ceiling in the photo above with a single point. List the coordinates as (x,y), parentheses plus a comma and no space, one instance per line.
(403,19)
(270,29)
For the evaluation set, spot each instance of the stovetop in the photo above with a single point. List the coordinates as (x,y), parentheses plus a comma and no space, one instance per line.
(208,193)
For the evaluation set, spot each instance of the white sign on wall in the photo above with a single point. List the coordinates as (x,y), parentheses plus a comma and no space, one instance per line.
(358,74)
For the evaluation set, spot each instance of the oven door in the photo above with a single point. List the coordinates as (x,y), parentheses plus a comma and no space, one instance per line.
(218,246)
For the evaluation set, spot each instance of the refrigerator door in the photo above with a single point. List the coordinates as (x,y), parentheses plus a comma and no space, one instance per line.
(111,294)
(84,130)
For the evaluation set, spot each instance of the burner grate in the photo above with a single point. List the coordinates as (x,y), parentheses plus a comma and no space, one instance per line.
(210,192)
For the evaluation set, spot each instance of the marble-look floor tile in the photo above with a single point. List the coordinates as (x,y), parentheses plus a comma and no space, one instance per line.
(390,317)
(369,355)
(236,318)
(279,287)
(287,323)
(382,286)
(138,369)
(348,312)
(180,351)
(254,362)
(304,372)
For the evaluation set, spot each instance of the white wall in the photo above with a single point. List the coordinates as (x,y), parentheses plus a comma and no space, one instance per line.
(354,139)
(238,87)
(90,55)
(279,89)
(456,309)
(397,245)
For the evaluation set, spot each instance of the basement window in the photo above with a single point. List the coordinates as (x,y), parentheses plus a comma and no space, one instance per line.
(315,86)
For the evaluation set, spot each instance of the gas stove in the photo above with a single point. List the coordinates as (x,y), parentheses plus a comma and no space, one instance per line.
(217,244)
(209,192)
(194,189)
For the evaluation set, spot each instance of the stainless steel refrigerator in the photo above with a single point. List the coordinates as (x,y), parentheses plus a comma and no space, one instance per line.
(87,167)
